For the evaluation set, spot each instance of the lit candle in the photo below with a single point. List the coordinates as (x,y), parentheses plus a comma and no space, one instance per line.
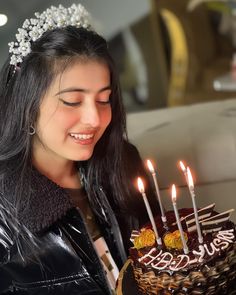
(192,193)
(185,247)
(183,168)
(150,167)
(149,211)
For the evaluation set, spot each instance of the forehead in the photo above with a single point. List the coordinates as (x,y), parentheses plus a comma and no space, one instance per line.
(85,73)
(91,75)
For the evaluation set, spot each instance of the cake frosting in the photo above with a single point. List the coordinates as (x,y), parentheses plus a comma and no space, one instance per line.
(208,268)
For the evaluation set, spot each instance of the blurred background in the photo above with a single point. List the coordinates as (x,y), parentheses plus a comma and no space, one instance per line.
(168,52)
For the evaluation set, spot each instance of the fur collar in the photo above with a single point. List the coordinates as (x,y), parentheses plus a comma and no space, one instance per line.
(46,203)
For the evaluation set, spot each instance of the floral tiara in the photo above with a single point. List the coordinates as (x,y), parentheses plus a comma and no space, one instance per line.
(33,29)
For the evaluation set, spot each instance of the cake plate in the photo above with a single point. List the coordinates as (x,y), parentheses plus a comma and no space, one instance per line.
(126,281)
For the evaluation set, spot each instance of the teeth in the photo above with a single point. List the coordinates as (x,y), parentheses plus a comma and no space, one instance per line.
(81,136)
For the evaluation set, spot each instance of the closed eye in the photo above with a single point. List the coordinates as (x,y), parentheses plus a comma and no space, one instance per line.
(74,104)
(71,104)
(104,102)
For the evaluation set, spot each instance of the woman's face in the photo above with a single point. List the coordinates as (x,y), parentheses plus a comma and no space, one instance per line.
(74,113)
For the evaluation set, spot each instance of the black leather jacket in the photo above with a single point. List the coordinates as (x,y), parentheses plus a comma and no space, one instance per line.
(60,258)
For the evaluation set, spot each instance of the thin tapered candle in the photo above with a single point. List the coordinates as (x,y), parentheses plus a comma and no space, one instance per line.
(183,168)
(150,167)
(149,211)
(192,193)
(185,247)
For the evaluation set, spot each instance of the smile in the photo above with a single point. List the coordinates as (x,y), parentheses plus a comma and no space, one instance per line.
(81,136)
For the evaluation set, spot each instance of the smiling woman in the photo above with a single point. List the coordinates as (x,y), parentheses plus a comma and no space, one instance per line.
(66,167)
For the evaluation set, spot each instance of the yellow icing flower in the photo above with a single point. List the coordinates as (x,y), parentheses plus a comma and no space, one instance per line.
(145,239)
(173,240)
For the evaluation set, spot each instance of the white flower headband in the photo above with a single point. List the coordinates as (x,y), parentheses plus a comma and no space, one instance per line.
(33,29)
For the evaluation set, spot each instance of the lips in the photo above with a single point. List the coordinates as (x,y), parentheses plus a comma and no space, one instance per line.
(82,138)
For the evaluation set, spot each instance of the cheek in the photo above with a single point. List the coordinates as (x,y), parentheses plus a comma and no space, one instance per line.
(55,122)
(66,118)
(106,118)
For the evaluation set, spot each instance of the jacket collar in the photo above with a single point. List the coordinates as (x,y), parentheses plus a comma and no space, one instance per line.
(46,203)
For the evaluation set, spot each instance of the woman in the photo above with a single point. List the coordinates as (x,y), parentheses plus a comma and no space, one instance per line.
(66,168)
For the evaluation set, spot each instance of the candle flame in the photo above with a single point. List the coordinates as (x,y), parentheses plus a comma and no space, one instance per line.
(140,185)
(150,166)
(190,179)
(173,193)
(182,166)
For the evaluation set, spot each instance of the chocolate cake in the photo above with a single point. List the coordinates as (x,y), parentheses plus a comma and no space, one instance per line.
(208,268)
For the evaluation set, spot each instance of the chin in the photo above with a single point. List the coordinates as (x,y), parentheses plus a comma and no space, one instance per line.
(83,156)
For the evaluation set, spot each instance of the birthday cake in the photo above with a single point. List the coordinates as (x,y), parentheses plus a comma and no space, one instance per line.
(206,268)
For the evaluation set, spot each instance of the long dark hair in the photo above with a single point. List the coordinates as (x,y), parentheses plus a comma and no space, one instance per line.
(21,89)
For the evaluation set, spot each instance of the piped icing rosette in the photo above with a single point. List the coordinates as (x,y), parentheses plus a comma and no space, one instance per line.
(146,238)
(173,240)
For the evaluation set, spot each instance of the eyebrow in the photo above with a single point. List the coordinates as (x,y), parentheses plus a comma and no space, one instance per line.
(75,89)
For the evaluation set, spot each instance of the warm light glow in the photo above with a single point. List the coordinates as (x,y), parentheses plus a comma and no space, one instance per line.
(173,193)
(140,185)
(190,179)
(3,19)
(181,164)
(150,166)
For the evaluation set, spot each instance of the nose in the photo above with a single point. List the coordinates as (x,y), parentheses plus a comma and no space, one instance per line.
(90,115)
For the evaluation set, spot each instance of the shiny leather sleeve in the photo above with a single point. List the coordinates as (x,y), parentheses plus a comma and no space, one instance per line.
(6,241)
(8,229)
(59,268)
